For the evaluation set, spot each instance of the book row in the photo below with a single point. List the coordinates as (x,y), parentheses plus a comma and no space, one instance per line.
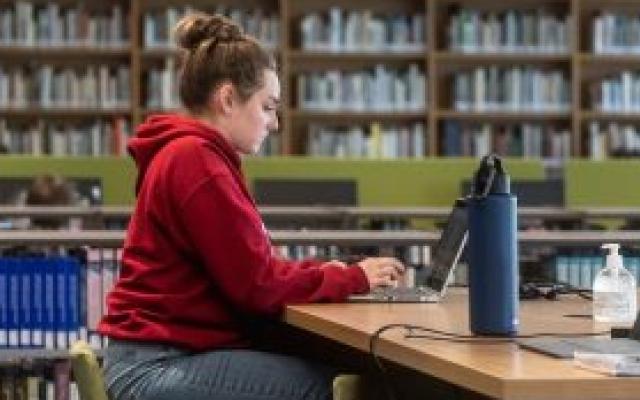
(162,85)
(618,93)
(99,137)
(521,31)
(50,302)
(518,140)
(377,89)
(46,86)
(342,30)
(49,24)
(517,88)
(103,137)
(158,25)
(28,23)
(374,141)
(613,139)
(38,382)
(579,270)
(414,255)
(616,33)
(416,258)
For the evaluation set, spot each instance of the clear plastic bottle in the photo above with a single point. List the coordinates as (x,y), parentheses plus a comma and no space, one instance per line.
(614,291)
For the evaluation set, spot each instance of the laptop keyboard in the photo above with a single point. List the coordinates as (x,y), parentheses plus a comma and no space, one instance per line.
(404,294)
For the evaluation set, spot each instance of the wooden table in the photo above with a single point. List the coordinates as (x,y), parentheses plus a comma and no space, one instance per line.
(502,370)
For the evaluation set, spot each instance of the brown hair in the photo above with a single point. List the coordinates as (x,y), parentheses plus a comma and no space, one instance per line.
(216,51)
(48,190)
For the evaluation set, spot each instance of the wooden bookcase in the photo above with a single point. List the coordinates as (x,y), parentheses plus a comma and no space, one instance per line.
(579,63)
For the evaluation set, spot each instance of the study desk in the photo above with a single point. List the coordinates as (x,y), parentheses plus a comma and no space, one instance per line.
(502,371)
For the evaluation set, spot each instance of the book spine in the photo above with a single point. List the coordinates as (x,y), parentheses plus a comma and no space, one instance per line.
(4,303)
(73,299)
(61,294)
(13,317)
(26,322)
(37,302)
(50,300)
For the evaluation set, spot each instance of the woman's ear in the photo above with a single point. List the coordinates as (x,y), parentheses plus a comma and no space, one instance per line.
(222,99)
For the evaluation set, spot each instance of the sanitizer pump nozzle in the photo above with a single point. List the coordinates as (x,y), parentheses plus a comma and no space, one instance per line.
(614,259)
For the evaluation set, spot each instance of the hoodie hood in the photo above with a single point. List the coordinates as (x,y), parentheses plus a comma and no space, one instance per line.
(159,130)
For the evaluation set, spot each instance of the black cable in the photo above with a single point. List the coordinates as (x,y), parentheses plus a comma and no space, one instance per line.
(550,291)
(484,339)
(387,384)
(439,335)
(586,294)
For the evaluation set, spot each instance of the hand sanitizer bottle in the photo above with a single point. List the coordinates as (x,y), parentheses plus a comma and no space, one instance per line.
(614,291)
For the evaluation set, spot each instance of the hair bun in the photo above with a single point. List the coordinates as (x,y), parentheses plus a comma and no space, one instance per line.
(195,28)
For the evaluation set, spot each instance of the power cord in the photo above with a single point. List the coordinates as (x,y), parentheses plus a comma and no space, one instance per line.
(454,337)
(440,335)
(550,291)
(382,370)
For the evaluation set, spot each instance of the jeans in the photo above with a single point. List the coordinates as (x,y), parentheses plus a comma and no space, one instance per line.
(145,371)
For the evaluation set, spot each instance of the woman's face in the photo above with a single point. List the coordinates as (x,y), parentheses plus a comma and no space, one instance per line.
(254,119)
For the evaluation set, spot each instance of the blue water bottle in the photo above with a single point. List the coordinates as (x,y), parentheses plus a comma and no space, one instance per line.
(493,252)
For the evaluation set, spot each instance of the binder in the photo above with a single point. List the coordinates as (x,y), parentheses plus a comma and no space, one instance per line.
(13,314)
(23,270)
(72,311)
(50,300)
(37,302)
(61,306)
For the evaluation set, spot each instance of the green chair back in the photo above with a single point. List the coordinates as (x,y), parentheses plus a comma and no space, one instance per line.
(87,372)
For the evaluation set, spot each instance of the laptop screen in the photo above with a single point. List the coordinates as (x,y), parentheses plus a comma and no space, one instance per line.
(447,252)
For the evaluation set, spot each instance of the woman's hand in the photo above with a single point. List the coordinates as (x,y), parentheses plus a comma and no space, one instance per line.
(381,271)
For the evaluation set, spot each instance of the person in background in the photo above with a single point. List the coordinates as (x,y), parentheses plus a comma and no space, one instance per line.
(47,190)
(198,267)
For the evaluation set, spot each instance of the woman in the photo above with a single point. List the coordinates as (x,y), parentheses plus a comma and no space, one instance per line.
(197,264)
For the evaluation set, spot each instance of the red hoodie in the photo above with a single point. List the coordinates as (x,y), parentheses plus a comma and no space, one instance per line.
(197,259)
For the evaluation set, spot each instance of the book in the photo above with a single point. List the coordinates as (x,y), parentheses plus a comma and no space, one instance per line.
(4,303)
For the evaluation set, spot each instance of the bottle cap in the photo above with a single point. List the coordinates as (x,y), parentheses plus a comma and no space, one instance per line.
(490,178)
(614,259)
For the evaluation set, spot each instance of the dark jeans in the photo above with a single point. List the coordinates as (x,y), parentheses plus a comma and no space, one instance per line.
(140,371)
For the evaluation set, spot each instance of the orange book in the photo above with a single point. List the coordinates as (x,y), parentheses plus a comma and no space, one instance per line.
(118,137)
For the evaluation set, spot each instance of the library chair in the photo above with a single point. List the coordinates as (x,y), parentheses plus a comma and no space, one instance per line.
(348,387)
(87,372)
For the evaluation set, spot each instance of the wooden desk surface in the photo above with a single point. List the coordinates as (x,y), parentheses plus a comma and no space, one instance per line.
(498,370)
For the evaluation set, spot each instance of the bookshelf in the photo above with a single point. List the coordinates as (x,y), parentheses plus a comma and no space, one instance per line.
(65,77)
(563,69)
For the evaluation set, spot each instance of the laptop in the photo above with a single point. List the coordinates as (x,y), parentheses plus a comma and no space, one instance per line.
(430,288)
(566,347)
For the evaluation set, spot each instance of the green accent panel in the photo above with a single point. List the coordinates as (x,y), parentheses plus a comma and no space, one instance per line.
(431,181)
(613,183)
(424,182)
(118,174)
